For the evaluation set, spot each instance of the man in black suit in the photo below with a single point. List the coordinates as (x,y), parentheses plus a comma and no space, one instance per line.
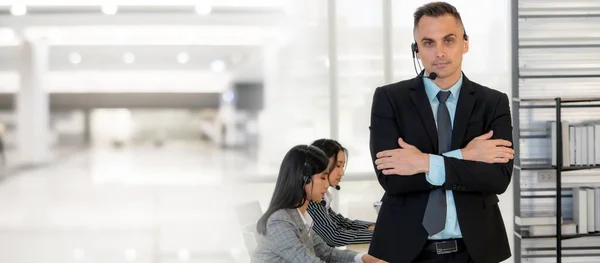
(442,148)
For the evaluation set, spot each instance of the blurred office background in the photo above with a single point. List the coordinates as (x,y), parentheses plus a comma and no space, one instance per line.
(133,129)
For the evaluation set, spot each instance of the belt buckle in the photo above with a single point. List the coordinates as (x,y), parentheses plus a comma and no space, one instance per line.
(446,247)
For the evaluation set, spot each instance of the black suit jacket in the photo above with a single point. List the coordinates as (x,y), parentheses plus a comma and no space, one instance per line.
(403,110)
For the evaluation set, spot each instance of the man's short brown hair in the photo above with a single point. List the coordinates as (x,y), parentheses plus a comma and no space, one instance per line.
(437,9)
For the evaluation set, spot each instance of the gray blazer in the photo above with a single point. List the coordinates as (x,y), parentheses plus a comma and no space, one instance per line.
(289,240)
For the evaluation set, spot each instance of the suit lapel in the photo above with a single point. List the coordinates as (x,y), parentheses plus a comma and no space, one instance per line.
(419,98)
(464,107)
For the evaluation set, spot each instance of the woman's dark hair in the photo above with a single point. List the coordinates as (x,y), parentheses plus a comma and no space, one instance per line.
(297,168)
(331,148)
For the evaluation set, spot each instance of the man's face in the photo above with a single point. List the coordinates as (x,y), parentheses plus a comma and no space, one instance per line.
(441,44)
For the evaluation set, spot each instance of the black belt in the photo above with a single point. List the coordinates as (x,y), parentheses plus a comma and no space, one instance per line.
(444,246)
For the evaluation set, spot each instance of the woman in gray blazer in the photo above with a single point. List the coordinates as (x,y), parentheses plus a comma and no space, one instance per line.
(285,230)
(335,229)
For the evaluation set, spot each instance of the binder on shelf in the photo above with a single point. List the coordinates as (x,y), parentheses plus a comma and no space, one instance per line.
(597,143)
(597,209)
(572,144)
(591,214)
(591,158)
(580,210)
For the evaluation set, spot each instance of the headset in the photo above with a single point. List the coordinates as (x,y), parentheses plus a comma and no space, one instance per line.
(415,49)
(307,177)
(336,187)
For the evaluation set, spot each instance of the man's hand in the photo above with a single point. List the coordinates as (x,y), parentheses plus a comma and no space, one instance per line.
(371,227)
(406,161)
(482,149)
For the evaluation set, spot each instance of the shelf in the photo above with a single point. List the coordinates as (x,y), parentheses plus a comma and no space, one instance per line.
(595,234)
(582,15)
(553,167)
(562,106)
(563,100)
(558,76)
(559,46)
(540,136)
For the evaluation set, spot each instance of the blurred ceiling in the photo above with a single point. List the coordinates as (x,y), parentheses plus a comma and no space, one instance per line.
(149,34)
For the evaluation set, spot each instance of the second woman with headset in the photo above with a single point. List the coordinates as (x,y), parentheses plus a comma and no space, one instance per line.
(335,229)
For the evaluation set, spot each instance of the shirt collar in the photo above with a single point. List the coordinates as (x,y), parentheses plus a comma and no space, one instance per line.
(432,90)
(306,218)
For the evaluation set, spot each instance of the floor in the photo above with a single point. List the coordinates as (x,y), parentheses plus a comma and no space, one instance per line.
(144,204)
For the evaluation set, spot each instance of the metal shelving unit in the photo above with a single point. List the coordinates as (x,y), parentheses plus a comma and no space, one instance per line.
(559,167)
(553,51)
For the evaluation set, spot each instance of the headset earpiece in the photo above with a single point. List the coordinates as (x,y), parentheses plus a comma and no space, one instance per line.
(414,48)
(306,179)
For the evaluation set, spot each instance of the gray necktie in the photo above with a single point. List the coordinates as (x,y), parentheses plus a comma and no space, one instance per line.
(435,213)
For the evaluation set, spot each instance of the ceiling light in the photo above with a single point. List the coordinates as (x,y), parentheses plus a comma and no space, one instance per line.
(18,10)
(217,66)
(203,9)
(128,58)
(183,58)
(75,58)
(109,9)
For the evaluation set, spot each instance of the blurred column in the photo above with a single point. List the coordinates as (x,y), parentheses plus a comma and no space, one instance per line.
(273,113)
(87,127)
(32,105)
(296,82)
(334,117)
(388,56)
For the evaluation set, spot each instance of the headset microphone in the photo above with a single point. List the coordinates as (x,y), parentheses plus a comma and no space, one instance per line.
(323,202)
(337,187)
(432,76)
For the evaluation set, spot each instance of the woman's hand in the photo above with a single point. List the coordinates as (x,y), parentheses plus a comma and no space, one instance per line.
(366,258)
